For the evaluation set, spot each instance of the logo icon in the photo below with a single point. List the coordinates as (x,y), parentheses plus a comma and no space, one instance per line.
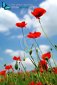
(5,6)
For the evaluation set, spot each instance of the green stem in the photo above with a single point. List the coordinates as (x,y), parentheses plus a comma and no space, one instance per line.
(25,43)
(46,35)
(23,66)
(53,60)
(32,60)
(38,46)
(37,53)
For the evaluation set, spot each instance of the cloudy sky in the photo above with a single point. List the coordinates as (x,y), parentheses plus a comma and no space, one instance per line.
(11,38)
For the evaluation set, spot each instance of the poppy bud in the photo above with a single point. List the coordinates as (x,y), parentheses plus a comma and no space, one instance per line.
(37,50)
(24,59)
(16,66)
(51,49)
(55,46)
(19,69)
(4,65)
(30,52)
(46,59)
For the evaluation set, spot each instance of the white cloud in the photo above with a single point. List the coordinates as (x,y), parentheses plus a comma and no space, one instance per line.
(16,53)
(18,37)
(44,48)
(27,63)
(8,20)
(48,20)
(32,22)
(52,62)
(8,51)
(28,20)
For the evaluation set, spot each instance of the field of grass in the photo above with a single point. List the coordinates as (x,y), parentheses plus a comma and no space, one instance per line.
(25,78)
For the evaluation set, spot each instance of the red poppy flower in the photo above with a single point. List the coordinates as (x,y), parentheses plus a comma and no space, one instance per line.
(46,55)
(31,83)
(43,65)
(8,67)
(33,70)
(34,35)
(17,58)
(3,72)
(39,83)
(41,70)
(38,12)
(54,69)
(21,24)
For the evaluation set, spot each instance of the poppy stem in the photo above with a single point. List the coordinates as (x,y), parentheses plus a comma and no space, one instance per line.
(38,45)
(32,60)
(47,36)
(41,53)
(53,60)
(25,43)
(49,64)
(37,53)
(23,66)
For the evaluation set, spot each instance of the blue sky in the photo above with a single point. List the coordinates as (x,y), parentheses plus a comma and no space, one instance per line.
(11,39)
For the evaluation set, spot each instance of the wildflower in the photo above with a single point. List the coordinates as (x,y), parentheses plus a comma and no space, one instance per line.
(34,70)
(38,12)
(17,58)
(46,56)
(3,72)
(43,65)
(54,69)
(8,67)
(39,83)
(21,24)
(41,70)
(31,83)
(34,35)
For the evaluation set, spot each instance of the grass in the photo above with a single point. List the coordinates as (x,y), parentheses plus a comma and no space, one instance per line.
(47,78)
